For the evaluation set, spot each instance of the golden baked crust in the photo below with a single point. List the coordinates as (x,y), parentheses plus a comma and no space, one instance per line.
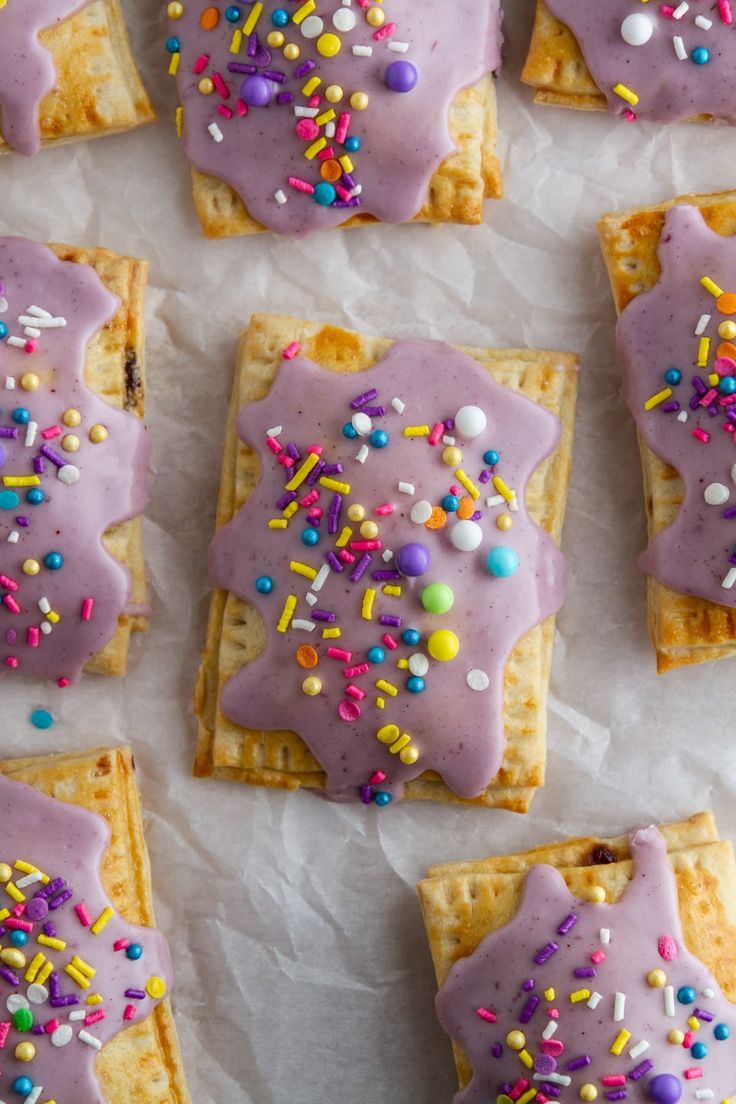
(115,370)
(461,908)
(683,629)
(99,90)
(235,632)
(456,191)
(141,1065)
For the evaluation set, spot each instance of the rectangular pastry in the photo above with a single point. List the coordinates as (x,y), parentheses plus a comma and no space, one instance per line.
(67,73)
(384,615)
(592,969)
(302,118)
(638,62)
(84,982)
(672,269)
(73,457)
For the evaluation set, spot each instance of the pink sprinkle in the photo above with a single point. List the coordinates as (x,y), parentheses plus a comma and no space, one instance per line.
(293,349)
(31,346)
(12,661)
(241,108)
(702,435)
(345,556)
(326,154)
(309,498)
(226,112)
(389,641)
(4,1032)
(667,948)
(340,653)
(95,1017)
(274,445)
(286,460)
(542,1099)
(129,1012)
(597,957)
(18,910)
(366,545)
(377,778)
(120,945)
(8,583)
(454,489)
(51,1026)
(343,192)
(384,32)
(50,431)
(436,433)
(301,186)
(316,512)
(11,603)
(709,396)
(553,1013)
(693,1073)
(343,124)
(18,925)
(385,508)
(220,85)
(355,692)
(34,634)
(613,1081)
(317,449)
(62,682)
(724,10)
(359,669)
(667,11)
(314,101)
(486,1014)
(348,711)
(201,63)
(687,1041)
(521,1085)
(87,606)
(84,917)
(554,1047)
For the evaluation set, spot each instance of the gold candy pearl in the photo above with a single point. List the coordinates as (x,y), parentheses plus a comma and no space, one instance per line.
(376,17)
(70,443)
(291,51)
(504,522)
(369,530)
(657,979)
(676,1037)
(452,456)
(334,93)
(71,417)
(312,686)
(30,567)
(98,434)
(5,872)
(516,1040)
(356,512)
(175,11)
(275,39)
(25,1052)
(30,382)
(597,894)
(11,956)
(727,330)
(206,86)
(588,1093)
(359,101)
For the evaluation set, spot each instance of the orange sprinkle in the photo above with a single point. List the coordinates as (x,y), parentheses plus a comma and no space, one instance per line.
(466,509)
(726,349)
(209,19)
(306,656)
(726,303)
(330,170)
(436,519)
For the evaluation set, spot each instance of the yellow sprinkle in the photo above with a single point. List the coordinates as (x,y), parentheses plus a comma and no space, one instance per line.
(381,703)
(35,965)
(291,509)
(400,744)
(579,995)
(346,164)
(388,733)
(620,1041)
(49,941)
(287,613)
(549,994)
(325,117)
(156,987)
(335,485)
(660,397)
(75,975)
(526,1058)
(626,94)
(711,286)
(714,379)
(102,920)
(417,431)
(43,974)
(402,664)
(93,998)
(302,569)
(28,868)
(311,86)
(528,1095)
(311,151)
(53,617)
(278,523)
(236,41)
(703,351)
(255,15)
(179,120)
(394,591)
(387,687)
(330,634)
(301,13)
(4,914)
(21,481)
(174,64)
(694,1023)
(470,486)
(12,891)
(83,967)
(366,610)
(344,537)
(302,472)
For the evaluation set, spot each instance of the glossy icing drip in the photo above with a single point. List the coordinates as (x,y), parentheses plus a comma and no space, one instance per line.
(65,1023)
(681,67)
(263,119)
(372,582)
(690,423)
(27,72)
(621,976)
(81,463)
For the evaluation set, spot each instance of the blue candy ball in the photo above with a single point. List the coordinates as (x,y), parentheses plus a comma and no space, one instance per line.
(502,562)
(673,376)
(173,45)
(324,193)
(18,938)
(415,684)
(23,1086)
(310,537)
(491,457)
(721,1031)
(3,330)
(349,431)
(35,496)
(233,14)
(280,17)
(376,655)
(686,995)
(700,55)
(352,144)
(727,385)
(411,637)
(8,500)
(21,416)
(134,951)
(450,503)
(699,1050)
(41,718)
(383,797)
(53,560)
(264,584)
(379,438)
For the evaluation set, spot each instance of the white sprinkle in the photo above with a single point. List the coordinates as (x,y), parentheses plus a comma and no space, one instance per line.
(62,1035)
(681,10)
(13,536)
(306,112)
(31,429)
(479,680)
(9,383)
(595,1000)
(280,198)
(556,1078)
(80,1013)
(68,474)
(362,455)
(387,555)
(398,405)
(448,440)
(418,664)
(44,605)
(421,511)
(701,21)
(733,473)
(90,1040)
(357,190)
(45,322)
(308,626)
(406,488)
(321,577)
(311,598)
(679,48)
(39,994)
(514,505)
(218,136)
(702,323)
(39,312)
(495,500)
(46,628)
(639,1049)
(729,579)
(361,423)
(330,129)
(398,47)
(17,342)
(29,879)
(31,331)
(550,1029)
(669,1000)
(682,416)
(619,1007)
(3,304)
(363,51)
(605,935)
(709,993)
(703,1094)
(33,1094)
(274,431)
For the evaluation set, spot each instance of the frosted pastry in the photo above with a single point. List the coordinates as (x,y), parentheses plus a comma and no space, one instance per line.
(592,970)
(661,62)
(304,116)
(67,73)
(73,456)
(674,276)
(387,588)
(85,1019)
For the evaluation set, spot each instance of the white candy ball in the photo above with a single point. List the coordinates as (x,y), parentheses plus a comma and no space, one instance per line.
(418,664)
(637,29)
(344,19)
(715,494)
(68,474)
(61,1036)
(466,536)
(312,26)
(420,512)
(477,679)
(470,421)
(38,994)
(15,1002)
(361,424)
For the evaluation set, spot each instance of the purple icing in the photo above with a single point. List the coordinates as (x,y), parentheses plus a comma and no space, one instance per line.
(656,331)
(647,909)
(403,130)
(457,731)
(27,71)
(667,87)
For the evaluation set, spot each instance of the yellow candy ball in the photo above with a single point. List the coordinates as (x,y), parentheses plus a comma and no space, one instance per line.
(13,957)
(71,417)
(356,512)
(275,39)
(291,51)
(408,755)
(70,443)
(376,17)
(597,895)
(175,11)
(443,645)
(30,382)
(588,1093)
(727,330)
(369,530)
(98,434)
(452,456)
(156,987)
(328,45)
(516,1040)
(333,93)
(359,101)
(31,567)
(206,86)
(5,872)
(657,979)
(676,1037)
(312,686)
(504,521)
(25,1052)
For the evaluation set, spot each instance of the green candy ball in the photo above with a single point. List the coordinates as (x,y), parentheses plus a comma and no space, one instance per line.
(438,598)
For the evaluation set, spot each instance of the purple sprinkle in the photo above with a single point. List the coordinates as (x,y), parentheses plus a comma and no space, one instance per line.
(293,451)
(361,400)
(303,69)
(334,562)
(712,409)
(61,899)
(567,925)
(54,988)
(549,1089)
(449,423)
(476,516)
(528,985)
(11,636)
(6,431)
(671,406)
(384,576)
(49,929)
(333,516)
(619,1094)
(694,403)
(341,203)
(578,1063)
(285,499)
(496,1050)
(274,75)
(545,953)
(50,889)
(366,794)
(354,202)
(528,1010)
(361,567)
(484,476)
(253,44)
(323,615)
(238,67)
(284,97)
(732,559)
(38,465)
(63,1002)
(135,994)
(333,469)
(374,411)
(348,181)
(731,415)
(505,1088)
(699,385)
(9,976)
(314,522)
(703,1014)
(644,1067)
(54,457)
(315,473)
(390,619)
(585,972)
(37,1029)
(23,521)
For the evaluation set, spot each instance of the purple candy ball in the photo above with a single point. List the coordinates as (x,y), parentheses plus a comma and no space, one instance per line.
(256,91)
(413,559)
(36,908)
(401,76)
(665,1088)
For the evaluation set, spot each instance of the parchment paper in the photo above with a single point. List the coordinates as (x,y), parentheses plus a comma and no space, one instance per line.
(302,970)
